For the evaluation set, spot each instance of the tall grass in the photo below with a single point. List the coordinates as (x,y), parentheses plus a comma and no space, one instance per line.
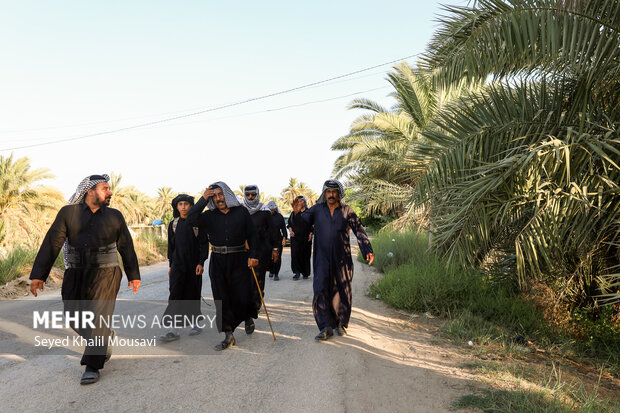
(150,248)
(17,262)
(478,306)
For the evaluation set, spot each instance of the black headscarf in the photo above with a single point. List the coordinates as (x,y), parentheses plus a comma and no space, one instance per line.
(179,198)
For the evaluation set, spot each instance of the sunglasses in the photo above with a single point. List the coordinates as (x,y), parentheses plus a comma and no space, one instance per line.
(250,195)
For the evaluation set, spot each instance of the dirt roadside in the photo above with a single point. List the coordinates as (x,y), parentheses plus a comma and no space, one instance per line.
(383,364)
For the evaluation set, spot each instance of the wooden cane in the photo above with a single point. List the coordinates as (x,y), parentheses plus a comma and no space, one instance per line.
(263,301)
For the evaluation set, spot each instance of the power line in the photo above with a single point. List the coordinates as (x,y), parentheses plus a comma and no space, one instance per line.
(94,123)
(242,102)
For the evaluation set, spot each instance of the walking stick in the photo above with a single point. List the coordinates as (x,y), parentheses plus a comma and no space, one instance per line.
(263,301)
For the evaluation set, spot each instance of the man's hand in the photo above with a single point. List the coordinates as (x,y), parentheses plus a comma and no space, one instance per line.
(310,237)
(208,193)
(274,256)
(252,262)
(370,258)
(34,285)
(199,269)
(169,269)
(291,232)
(283,242)
(135,284)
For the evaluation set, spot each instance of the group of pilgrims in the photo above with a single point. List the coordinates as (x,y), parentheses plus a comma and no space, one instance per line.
(242,239)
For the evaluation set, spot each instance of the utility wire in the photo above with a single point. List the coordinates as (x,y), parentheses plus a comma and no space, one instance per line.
(170,119)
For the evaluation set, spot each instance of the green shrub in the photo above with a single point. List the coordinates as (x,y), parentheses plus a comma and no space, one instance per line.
(18,261)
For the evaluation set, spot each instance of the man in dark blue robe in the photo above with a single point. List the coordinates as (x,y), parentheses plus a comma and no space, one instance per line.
(333,266)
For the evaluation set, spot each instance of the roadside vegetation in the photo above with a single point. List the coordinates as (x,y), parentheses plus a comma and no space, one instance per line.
(502,148)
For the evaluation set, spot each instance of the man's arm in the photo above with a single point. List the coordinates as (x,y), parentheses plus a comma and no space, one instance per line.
(195,213)
(50,247)
(125,247)
(360,233)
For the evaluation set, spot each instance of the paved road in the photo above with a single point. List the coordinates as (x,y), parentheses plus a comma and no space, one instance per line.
(384,364)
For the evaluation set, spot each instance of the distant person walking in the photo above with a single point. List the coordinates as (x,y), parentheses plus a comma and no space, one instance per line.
(301,240)
(94,234)
(279,226)
(333,266)
(266,247)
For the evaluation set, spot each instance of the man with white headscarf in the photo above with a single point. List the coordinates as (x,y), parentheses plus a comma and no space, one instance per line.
(229,228)
(333,266)
(267,248)
(279,226)
(94,234)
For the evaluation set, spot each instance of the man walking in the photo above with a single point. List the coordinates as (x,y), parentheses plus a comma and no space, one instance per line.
(94,233)
(267,244)
(188,249)
(279,226)
(301,241)
(229,227)
(333,266)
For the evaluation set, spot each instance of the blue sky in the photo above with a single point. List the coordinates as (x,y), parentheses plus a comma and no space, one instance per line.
(73,68)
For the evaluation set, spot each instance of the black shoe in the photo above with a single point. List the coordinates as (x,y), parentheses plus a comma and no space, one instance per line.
(228,341)
(341,331)
(270,275)
(276,278)
(249,326)
(90,376)
(306,277)
(296,277)
(326,333)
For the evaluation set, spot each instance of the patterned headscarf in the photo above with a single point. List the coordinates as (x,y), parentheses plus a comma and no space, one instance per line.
(87,183)
(253,205)
(179,198)
(331,184)
(78,197)
(229,196)
(272,205)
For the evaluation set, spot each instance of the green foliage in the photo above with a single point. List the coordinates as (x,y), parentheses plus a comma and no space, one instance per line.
(17,262)
(523,400)
(26,208)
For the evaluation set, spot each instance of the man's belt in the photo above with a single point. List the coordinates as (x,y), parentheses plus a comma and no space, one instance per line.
(227,250)
(92,257)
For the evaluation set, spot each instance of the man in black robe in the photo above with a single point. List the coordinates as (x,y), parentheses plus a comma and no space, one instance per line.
(279,226)
(229,227)
(267,247)
(94,233)
(333,266)
(301,241)
(188,249)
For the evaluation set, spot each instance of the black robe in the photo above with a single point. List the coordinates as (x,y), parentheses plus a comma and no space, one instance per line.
(301,246)
(333,266)
(186,251)
(266,243)
(279,226)
(88,288)
(231,278)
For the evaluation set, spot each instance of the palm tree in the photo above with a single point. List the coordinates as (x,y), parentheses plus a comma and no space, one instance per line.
(162,204)
(26,209)
(377,157)
(527,168)
(293,190)
(128,200)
